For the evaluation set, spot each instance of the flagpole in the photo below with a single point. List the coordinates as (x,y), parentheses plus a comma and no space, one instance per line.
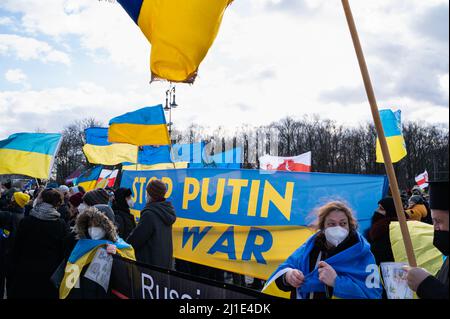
(379,127)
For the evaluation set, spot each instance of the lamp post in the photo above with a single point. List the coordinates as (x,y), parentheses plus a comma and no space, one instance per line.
(170,104)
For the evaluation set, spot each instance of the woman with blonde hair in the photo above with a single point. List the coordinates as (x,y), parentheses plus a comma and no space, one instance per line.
(333,263)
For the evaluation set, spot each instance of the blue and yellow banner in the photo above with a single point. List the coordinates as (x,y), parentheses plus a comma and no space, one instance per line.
(392,126)
(180,32)
(248,221)
(146,126)
(99,151)
(30,154)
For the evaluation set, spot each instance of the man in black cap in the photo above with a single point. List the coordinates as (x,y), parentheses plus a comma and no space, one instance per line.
(419,280)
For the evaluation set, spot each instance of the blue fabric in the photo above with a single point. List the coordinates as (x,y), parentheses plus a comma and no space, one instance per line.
(84,246)
(228,159)
(152,115)
(192,153)
(132,7)
(97,136)
(350,266)
(43,143)
(391,122)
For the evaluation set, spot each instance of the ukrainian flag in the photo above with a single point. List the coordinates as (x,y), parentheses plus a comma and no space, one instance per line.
(392,126)
(82,255)
(88,180)
(30,154)
(146,126)
(99,151)
(180,32)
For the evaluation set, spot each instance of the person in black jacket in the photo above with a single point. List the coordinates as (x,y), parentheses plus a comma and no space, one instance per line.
(9,222)
(38,249)
(419,280)
(152,237)
(121,205)
(378,235)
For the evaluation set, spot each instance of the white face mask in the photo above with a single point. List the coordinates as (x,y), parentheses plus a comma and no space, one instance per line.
(82,207)
(96,233)
(130,202)
(336,235)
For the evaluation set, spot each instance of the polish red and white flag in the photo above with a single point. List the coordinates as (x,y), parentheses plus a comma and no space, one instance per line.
(300,163)
(422,180)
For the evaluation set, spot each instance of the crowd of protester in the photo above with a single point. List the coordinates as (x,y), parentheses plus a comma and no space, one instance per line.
(42,228)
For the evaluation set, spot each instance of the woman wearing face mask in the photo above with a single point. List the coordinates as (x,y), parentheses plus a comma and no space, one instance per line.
(94,230)
(332,263)
(121,205)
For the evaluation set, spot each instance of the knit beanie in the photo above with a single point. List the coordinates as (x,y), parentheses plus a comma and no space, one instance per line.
(157,190)
(76,199)
(105,209)
(388,204)
(96,196)
(21,199)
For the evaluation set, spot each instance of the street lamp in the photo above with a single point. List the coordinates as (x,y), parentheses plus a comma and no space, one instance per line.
(170,104)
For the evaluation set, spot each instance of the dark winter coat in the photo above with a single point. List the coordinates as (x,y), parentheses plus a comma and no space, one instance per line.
(9,222)
(152,237)
(38,251)
(379,239)
(125,222)
(436,287)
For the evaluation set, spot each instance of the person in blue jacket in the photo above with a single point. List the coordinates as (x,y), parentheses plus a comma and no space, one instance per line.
(336,262)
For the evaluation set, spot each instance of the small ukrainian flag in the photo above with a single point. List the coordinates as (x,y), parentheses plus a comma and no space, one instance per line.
(146,126)
(392,126)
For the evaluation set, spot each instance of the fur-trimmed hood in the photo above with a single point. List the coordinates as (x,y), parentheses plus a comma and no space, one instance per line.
(93,217)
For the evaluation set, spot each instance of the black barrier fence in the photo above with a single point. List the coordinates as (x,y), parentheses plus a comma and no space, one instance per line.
(134,280)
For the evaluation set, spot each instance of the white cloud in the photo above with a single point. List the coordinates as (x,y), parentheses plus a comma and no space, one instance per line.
(6,21)
(24,48)
(272,58)
(15,76)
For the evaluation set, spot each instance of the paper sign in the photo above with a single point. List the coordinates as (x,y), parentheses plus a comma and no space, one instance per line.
(395,282)
(99,270)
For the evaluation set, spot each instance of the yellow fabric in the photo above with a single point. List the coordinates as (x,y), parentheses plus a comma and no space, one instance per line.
(88,186)
(21,199)
(155,167)
(417,212)
(397,149)
(110,155)
(25,163)
(139,134)
(428,256)
(181,33)
(73,271)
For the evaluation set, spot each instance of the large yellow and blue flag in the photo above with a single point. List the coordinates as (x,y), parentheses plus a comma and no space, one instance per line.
(99,151)
(180,32)
(392,126)
(30,154)
(88,180)
(146,126)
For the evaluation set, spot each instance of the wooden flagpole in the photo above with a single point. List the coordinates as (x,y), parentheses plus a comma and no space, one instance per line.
(379,127)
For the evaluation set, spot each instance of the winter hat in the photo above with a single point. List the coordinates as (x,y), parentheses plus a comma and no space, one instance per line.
(388,204)
(439,195)
(105,209)
(21,199)
(97,196)
(416,199)
(63,189)
(157,190)
(120,196)
(76,199)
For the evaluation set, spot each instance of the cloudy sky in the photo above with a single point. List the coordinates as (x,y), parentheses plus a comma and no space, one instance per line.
(64,60)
